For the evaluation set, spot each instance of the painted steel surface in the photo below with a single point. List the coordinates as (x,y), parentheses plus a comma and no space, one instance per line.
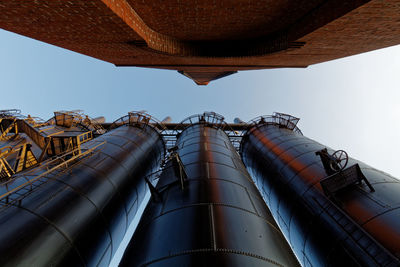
(357,227)
(78,217)
(215,217)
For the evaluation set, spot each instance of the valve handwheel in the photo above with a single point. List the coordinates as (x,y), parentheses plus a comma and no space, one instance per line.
(339,160)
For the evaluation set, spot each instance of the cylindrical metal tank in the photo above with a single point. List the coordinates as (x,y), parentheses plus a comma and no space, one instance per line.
(206,211)
(353,227)
(77,215)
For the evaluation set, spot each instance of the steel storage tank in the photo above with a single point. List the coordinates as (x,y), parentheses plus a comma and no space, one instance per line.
(329,218)
(205,209)
(77,214)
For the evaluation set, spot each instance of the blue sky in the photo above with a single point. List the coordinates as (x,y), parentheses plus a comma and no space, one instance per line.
(350,103)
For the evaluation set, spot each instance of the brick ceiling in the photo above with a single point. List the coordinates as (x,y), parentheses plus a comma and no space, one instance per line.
(208,39)
(223,19)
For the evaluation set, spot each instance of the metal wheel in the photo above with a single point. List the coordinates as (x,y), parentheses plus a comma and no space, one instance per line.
(339,160)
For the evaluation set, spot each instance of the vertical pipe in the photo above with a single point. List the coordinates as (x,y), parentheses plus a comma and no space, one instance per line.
(78,216)
(356,227)
(207,211)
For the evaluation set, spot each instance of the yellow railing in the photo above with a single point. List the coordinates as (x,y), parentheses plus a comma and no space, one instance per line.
(13,125)
(62,164)
(84,137)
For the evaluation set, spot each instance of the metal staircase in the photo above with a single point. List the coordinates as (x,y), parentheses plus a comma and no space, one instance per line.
(49,170)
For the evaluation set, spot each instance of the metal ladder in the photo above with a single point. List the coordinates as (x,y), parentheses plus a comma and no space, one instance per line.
(368,244)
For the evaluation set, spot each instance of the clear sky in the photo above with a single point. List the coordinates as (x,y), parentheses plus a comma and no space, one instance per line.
(350,103)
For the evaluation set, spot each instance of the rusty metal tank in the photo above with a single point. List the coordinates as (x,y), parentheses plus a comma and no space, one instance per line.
(205,209)
(327,220)
(76,213)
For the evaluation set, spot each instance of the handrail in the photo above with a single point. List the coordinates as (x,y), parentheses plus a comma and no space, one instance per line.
(284,120)
(138,118)
(77,117)
(74,157)
(214,120)
(10,113)
(206,117)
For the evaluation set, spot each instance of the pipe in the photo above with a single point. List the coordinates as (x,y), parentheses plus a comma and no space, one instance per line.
(351,227)
(206,211)
(78,215)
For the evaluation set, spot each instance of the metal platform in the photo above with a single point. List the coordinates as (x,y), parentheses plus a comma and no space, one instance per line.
(344,179)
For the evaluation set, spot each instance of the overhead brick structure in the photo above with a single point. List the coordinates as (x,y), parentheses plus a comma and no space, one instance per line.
(207,39)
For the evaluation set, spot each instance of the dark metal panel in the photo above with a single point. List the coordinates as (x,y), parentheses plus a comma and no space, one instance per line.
(321,231)
(218,218)
(211,258)
(378,224)
(105,258)
(33,246)
(87,208)
(79,221)
(81,180)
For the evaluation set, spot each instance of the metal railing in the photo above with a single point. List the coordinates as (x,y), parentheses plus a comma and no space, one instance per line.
(214,120)
(76,117)
(280,119)
(137,118)
(10,113)
(49,167)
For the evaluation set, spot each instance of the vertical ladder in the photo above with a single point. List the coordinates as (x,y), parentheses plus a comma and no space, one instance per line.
(357,234)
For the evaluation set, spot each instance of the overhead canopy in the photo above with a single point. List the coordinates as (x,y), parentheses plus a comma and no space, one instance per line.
(208,39)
